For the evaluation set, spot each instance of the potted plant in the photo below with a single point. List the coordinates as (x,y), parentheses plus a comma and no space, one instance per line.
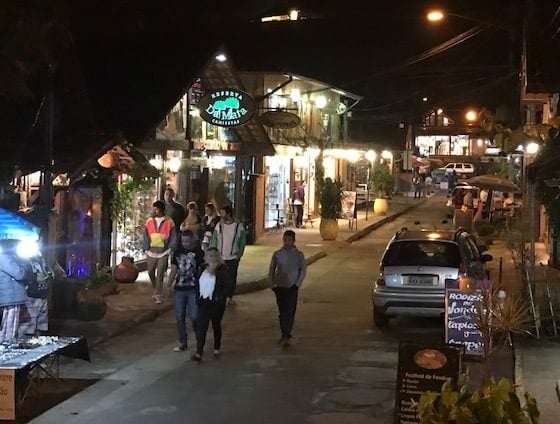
(330,198)
(382,183)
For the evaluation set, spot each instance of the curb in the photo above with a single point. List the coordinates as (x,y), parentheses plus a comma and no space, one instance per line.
(372,227)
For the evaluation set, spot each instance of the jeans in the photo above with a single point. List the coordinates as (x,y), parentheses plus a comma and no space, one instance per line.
(156,272)
(299,215)
(286,299)
(210,311)
(184,302)
(232,267)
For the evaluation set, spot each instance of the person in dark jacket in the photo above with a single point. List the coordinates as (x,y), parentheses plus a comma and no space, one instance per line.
(173,210)
(286,274)
(213,287)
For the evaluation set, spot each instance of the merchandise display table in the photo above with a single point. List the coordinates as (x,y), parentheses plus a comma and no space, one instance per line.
(23,362)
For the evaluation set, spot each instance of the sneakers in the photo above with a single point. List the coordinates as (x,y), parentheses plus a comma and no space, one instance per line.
(216,353)
(181,348)
(284,341)
(196,358)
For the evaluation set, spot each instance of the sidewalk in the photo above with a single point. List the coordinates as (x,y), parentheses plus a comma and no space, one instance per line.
(537,362)
(133,304)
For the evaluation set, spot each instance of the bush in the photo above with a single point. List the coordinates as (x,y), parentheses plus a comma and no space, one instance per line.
(494,403)
(484,228)
(382,181)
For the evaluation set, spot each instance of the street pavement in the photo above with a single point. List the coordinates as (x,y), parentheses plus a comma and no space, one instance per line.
(340,369)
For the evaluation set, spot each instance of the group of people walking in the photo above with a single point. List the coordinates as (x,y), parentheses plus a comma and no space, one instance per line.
(205,254)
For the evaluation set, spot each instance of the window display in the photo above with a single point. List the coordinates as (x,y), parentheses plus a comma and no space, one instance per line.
(277,189)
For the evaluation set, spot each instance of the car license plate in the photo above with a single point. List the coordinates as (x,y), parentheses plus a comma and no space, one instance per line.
(420,281)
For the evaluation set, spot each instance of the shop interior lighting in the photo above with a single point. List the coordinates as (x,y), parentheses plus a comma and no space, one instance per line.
(174,164)
(386,154)
(295,95)
(217,162)
(471,116)
(532,148)
(371,155)
(194,112)
(156,163)
(221,57)
(320,102)
(439,111)
(353,155)
(294,15)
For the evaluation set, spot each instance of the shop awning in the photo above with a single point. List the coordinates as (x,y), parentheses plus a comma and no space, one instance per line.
(253,137)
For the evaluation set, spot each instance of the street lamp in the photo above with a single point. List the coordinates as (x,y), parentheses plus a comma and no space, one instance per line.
(471,116)
(435,15)
(532,148)
(320,102)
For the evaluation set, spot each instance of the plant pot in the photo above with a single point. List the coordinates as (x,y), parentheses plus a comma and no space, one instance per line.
(380,206)
(328,229)
(90,305)
(125,272)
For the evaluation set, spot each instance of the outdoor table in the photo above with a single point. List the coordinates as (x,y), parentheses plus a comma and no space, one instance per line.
(24,361)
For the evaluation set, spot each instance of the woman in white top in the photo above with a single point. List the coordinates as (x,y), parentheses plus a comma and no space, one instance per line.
(213,287)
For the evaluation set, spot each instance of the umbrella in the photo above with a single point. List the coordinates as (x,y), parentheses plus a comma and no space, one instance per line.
(15,227)
(493,182)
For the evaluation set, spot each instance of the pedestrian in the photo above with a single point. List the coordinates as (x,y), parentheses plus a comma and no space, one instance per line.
(429,182)
(454,179)
(286,273)
(160,238)
(213,287)
(37,288)
(209,222)
(299,202)
(173,209)
(417,187)
(229,238)
(192,222)
(12,292)
(186,264)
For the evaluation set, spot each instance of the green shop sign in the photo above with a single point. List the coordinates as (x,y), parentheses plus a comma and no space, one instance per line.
(227,107)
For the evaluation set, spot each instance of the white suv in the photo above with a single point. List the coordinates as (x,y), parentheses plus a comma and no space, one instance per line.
(459,168)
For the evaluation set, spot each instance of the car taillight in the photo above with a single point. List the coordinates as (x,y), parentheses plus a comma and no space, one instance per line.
(462,270)
(381,280)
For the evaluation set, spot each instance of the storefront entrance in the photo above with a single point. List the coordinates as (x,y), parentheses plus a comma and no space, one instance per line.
(277,189)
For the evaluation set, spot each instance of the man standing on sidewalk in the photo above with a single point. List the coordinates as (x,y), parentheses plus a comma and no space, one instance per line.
(299,202)
(229,239)
(286,274)
(160,238)
(173,210)
(186,264)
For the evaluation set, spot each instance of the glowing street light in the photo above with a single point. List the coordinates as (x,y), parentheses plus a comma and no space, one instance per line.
(386,154)
(294,15)
(424,99)
(471,116)
(221,57)
(435,15)
(371,155)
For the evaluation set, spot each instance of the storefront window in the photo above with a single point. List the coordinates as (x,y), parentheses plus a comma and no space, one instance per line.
(221,183)
(277,170)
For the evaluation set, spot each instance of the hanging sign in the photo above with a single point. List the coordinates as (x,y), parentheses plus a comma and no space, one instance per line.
(423,368)
(227,107)
(279,119)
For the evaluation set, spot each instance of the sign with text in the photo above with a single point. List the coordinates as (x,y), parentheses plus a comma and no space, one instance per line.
(218,145)
(279,119)
(348,201)
(460,319)
(423,368)
(7,395)
(227,107)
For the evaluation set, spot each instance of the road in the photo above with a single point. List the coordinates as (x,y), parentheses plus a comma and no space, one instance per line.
(340,369)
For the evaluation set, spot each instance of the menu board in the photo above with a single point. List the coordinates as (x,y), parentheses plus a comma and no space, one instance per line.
(7,395)
(461,320)
(348,202)
(423,368)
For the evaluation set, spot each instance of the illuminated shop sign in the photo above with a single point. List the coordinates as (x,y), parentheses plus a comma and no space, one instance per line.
(227,107)
(224,146)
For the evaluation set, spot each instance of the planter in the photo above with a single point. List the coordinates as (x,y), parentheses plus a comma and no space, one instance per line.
(380,206)
(125,272)
(328,229)
(90,305)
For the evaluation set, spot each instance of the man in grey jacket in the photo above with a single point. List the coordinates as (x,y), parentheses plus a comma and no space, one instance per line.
(286,274)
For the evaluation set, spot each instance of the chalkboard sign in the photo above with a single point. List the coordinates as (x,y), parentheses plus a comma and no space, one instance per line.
(423,368)
(460,320)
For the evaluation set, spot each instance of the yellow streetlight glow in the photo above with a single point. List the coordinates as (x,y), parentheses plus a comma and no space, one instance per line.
(435,15)
(386,154)
(320,102)
(471,116)
(371,155)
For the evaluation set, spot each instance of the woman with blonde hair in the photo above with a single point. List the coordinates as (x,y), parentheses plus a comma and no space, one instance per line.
(192,222)
(213,287)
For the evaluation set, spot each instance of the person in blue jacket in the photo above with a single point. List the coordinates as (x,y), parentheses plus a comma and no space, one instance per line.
(12,291)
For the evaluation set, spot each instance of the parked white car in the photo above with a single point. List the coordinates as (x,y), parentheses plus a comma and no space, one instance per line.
(459,167)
